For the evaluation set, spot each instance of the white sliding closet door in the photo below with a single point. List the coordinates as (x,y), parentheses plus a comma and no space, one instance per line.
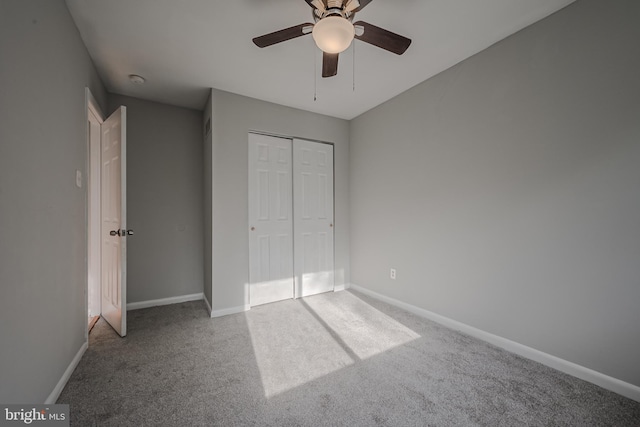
(270,220)
(313,217)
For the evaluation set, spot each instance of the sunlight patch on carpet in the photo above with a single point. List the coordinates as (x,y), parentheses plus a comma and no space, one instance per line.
(284,354)
(345,330)
(364,329)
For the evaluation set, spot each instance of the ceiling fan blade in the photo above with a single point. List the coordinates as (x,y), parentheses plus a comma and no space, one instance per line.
(329,64)
(282,35)
(382,38)
(363,4)
(351,5)
(321,5)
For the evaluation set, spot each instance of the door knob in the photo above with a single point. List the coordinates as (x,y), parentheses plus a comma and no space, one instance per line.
(121,233)
(330,225)
(253,229)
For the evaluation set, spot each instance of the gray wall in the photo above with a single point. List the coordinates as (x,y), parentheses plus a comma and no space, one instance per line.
(44,68)
(233,117)
(506,190)
(164,199)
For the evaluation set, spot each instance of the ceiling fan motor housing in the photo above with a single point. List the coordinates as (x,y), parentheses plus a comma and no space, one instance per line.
(334,12)
(334,8)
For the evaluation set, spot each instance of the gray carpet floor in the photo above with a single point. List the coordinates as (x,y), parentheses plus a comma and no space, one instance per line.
(332,359)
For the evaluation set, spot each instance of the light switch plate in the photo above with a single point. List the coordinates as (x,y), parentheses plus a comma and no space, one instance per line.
(78,179)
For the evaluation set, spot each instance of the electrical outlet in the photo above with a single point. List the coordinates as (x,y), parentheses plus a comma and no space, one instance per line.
(392,273)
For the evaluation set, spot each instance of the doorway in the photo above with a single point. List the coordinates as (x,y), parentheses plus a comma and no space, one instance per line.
(291,249)
(106,217)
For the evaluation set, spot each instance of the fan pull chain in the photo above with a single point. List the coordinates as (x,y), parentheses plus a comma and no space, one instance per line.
(354,65)
(315,75)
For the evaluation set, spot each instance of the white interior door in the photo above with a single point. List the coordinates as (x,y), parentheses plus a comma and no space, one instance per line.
(270,220)
(114,221)
(313,217)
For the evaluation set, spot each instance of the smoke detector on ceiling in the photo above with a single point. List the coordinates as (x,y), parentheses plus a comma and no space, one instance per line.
(136,79)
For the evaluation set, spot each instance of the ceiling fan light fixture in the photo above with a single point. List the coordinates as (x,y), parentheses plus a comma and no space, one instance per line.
(333,34)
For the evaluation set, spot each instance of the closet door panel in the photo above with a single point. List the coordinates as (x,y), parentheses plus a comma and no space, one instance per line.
(313,217)
(270,220)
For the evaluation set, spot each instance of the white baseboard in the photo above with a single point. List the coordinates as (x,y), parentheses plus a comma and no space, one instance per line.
(230,310)
(618,386)
(206,301)
(164,301)
(338,288)
(53,397)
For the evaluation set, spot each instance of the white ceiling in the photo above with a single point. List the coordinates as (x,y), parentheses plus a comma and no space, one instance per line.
(185,47)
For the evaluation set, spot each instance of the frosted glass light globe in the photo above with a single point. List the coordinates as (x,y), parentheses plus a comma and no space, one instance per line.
(333,34)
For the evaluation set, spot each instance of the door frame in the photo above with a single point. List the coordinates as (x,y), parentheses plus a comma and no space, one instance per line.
(90,105)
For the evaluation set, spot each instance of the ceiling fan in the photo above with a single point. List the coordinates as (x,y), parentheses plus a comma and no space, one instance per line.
(334,30)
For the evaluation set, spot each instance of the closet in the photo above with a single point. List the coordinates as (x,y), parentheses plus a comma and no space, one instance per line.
(291,252)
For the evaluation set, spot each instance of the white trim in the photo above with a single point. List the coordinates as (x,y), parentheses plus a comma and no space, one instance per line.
(93,105)
(92,190)
(90,105)
(53,397)
(230,310)
(618,386)
(164,301)
(206,301)
(213,201)
(338,288)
